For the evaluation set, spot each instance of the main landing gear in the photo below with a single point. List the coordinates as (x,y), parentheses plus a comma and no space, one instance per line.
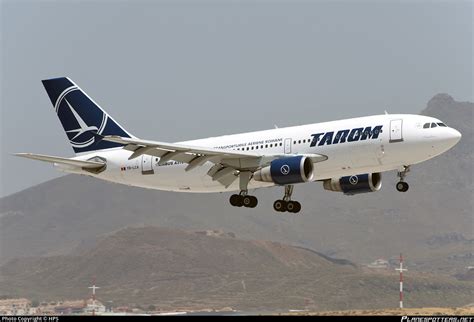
(402,186)
(243,199)
(286,204)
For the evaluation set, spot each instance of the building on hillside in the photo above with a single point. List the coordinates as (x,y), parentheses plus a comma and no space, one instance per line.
(70,307)
(94,306)
(15,306)
(379,264)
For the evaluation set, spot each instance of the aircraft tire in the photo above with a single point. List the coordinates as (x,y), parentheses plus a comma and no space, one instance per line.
(279,205)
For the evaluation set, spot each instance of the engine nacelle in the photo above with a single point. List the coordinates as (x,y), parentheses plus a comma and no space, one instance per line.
(352,185)
(287,171)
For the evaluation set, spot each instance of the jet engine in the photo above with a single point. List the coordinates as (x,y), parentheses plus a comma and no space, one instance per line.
(356,184)
(287,171)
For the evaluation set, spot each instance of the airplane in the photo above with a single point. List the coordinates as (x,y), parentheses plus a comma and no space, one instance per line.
(347,156)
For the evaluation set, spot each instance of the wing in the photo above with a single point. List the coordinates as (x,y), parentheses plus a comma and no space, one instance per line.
(227,164)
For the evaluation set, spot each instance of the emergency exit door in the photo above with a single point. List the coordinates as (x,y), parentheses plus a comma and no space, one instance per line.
(147,164)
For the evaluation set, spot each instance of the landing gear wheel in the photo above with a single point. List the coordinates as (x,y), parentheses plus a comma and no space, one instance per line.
(253,202)
(279,205)
(402,186)
(243,199)
(293,206)
(287,204)
(247,201)
(290,206)
(236,200)
(297,207)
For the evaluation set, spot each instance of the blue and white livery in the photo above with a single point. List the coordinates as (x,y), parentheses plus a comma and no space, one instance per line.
(346,155)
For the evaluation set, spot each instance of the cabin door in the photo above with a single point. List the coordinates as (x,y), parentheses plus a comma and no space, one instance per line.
(396,134)
(288,146)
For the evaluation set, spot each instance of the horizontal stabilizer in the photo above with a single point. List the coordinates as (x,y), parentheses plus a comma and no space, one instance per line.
(71,162)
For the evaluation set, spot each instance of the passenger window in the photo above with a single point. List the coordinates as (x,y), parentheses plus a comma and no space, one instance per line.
(426,126)
(281,144)
(442,125)
(433,125)
(271,145)
(299,141)
(266,145)
(294,142)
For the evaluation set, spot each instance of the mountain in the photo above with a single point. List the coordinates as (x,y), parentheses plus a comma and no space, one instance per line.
(73,212)
(174,269)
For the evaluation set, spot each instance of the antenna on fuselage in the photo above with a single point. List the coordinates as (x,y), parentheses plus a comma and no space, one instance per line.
(386,113)
(276,126)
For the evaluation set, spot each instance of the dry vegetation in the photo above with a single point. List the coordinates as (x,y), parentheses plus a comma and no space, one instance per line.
(400,312)
(179,269)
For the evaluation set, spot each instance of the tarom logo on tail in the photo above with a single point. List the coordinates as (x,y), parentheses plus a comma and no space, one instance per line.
(82,119)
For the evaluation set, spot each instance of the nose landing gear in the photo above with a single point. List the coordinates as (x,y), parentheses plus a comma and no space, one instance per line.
(402,186)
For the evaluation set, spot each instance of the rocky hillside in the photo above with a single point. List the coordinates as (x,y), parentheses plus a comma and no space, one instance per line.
(175,269)
(73,212)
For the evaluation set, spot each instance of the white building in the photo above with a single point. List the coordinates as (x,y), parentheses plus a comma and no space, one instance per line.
(94,306)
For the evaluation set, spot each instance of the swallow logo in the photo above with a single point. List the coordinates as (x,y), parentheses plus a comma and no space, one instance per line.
(285,169)
(81,121)
(354,180)
(83,127)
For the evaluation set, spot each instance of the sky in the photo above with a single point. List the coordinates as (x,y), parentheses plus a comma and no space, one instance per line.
(178,70)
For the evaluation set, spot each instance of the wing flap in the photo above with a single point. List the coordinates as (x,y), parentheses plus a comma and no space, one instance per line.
(172,147)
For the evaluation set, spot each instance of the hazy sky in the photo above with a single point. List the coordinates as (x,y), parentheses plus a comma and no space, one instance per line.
(176,70)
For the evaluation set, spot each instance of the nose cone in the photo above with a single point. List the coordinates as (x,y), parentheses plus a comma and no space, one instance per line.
(452,137)
(456,135)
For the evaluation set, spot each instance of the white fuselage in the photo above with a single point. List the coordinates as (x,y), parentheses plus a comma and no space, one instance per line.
(402,141)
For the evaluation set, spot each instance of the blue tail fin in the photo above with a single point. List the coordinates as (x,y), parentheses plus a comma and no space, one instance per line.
(82,119)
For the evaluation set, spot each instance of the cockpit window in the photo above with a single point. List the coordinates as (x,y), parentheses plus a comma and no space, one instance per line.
(432,125)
